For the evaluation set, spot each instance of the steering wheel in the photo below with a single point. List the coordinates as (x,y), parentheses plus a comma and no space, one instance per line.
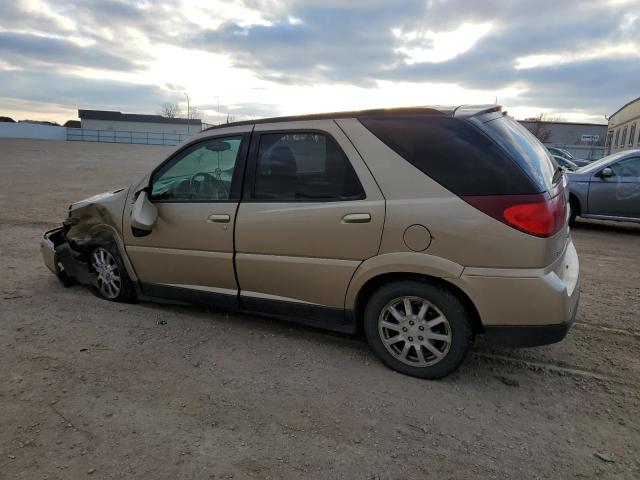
(208,184)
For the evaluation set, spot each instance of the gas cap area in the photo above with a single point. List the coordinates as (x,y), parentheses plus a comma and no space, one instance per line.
(417,238)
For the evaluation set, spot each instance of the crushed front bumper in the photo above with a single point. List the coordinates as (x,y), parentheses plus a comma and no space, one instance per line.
(50,240)
(62,260)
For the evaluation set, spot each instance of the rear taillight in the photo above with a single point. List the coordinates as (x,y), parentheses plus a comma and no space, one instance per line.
(542,215)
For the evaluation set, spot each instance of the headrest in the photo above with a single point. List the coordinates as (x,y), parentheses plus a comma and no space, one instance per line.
(282,162)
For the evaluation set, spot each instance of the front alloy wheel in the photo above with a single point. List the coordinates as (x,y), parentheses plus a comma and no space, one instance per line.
(106,267)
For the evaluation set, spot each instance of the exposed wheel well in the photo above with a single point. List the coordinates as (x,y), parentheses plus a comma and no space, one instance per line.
(99,239)
(374,283)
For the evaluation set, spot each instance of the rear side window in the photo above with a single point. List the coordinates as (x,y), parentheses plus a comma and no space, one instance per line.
(304,166)
(524,148)
(452,152)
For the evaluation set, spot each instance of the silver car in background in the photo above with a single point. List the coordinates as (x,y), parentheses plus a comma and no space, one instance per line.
(608,189)
(562,153)
(565,164)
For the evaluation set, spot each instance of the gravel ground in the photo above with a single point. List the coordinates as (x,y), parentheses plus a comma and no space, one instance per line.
(90,388)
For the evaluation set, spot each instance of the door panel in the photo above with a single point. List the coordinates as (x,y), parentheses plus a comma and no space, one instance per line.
(185,248)
(301,249)
(196,192)
(618,195)
(319,281)
(310,229)
(304,252)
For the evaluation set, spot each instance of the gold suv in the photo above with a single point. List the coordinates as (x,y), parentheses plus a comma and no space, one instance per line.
(421,227)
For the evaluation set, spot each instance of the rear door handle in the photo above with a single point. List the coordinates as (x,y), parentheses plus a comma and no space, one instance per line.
(356,218)
(219,218)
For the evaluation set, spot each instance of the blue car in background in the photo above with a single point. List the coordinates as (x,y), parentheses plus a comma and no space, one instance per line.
(607,189)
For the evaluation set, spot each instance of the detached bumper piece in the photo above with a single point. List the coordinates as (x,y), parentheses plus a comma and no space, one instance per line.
(48,247)
(62,260)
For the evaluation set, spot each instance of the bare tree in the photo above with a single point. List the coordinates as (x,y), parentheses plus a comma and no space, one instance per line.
(539,129)
(195,113)
(170,110)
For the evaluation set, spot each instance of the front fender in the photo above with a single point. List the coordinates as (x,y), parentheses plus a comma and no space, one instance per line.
(399,262)
(90,223)
(100,233)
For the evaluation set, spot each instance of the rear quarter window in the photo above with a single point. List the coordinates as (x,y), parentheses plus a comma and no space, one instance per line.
(453,152)
(524,148)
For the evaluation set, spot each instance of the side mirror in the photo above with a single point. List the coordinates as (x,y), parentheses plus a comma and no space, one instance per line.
(143,215)
(606,172)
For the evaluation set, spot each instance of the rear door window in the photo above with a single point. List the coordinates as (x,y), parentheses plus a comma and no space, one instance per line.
(303,166)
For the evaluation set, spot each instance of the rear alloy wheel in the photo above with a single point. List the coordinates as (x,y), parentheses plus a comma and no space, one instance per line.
(418,329)
(414,331)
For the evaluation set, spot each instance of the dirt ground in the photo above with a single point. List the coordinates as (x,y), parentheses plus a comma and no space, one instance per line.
(90,388)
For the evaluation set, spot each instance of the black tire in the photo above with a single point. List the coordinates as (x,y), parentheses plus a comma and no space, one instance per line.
(574,210)
(126,292)
(459,326)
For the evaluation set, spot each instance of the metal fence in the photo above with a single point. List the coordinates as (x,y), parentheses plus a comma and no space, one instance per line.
(587,152)
(114,136)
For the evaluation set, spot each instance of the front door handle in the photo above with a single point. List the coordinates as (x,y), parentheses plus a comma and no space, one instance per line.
(219,218)
(356,218)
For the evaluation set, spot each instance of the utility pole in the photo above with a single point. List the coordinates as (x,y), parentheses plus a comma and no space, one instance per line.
(188,113)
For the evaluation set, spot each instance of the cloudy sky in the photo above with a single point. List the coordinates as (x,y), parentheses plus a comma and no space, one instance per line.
(576,59)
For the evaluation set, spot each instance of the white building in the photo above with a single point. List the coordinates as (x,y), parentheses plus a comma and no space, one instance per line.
(624,128)
(130,122)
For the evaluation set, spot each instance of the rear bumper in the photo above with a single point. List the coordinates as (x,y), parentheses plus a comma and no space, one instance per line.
(526,307)
(524,336)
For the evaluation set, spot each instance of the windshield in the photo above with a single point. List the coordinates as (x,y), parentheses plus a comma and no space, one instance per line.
(602,162)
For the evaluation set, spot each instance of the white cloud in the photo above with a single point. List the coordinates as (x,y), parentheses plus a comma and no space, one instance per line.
(300,56)
(422,46)
(596,51)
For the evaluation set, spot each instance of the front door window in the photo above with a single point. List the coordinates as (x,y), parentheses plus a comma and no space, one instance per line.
(202,173)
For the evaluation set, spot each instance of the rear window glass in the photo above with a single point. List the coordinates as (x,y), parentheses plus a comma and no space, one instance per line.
(525,148)
(452,152)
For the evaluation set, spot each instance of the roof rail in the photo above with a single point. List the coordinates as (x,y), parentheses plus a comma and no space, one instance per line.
(460,111)
(436,110)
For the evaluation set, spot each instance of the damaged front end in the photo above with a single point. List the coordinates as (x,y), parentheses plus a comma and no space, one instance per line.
(91,222)
(67,264)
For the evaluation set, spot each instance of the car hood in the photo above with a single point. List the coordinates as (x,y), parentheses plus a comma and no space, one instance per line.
(101,197)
